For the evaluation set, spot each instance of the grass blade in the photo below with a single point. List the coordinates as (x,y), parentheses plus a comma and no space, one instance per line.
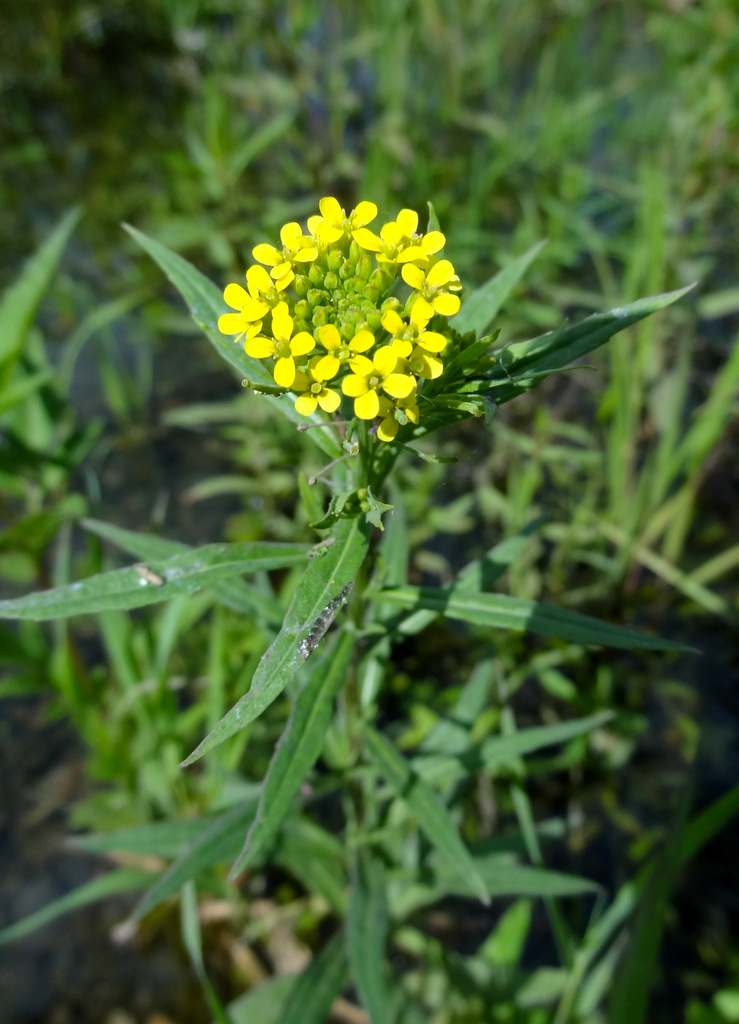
(367,925)
(503,612)
(123,880)
(314,991)
(429,812)
(482,306)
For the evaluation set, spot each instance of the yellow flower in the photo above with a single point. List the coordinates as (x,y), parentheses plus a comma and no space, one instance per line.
(385,370)
(253,305)
(296,248)
(398,241)
(316,392)
(395,415)
(340,351)
(333,223)
(282,347)
(423,364)
(434,288)
(406,335)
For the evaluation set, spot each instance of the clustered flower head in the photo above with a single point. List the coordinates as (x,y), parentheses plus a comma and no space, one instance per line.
(320,309)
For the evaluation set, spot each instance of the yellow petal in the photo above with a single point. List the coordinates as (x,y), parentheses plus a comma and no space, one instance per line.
(291,235)
(364,212)
(231,323)
(285,372)
(306,255)
(326,368)
(329,337)
(314,223)
(266,254)
(399,385)
(332,211)
(366,239)
(412,252)
(432,342)
(302,344)
(354,386)
(441,273)
(253,329)
(401,348)
(306,405)
(367,406)
(282,322)
(361,341)
(387,429)
(282,270)
(327,233)
(258,280)
(329,401)
(421,312)
(447,304)
(361,365)
(259,348)
(392,322)
(301,382)
(385,360)
(413,276)
(407,221)
(433,242)
(235,296)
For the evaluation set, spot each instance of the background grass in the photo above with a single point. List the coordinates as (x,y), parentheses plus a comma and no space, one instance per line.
(613,131)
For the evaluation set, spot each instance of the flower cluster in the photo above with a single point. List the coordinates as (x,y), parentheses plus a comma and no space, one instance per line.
(319,307)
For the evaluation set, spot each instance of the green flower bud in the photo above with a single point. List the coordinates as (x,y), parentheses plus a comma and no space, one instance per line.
(301,285)
(364,266)
(321,316)
(374,320)
(334,260)
(317,297)
(331,282)
(315,275)
(346,270)
(392,303)
(303,310)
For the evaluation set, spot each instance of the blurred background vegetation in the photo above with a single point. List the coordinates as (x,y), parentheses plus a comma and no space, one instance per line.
(612,130)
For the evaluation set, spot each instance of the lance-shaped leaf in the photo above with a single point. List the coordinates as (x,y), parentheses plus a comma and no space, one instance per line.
(324,579)
(297,751)
(206,304)
(232,592)
(503,612)
(21,300)
(216,844)
(157,581)
(558,348)
(123,880)
(314,991)
(431,815)
(367,926)
(481,307)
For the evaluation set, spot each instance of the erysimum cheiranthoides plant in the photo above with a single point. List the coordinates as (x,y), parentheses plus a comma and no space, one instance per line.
(363,339)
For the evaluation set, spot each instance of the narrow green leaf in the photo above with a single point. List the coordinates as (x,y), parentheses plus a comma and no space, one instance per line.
(503,750)
(217,843)
(630,993)
(557,349)
(313,994)
(159,580)
(481,307)
(206,303)
(502,612)
(263,1004)
(18,392)
(501,879)
(160,839)
(316,859)
(123,880)
(297,751)
(20,302)
(190,928)
(367,926)
(431,815)
(324,579)
(233,592)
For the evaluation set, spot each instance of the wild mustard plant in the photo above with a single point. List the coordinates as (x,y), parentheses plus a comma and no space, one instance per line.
(363,336)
